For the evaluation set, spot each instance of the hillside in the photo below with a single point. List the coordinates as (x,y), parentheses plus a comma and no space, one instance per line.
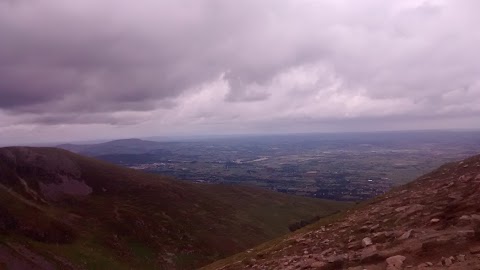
(60,210)
(431,223)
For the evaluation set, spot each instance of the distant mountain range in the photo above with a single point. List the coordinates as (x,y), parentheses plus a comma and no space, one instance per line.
(60,210)
(125,146)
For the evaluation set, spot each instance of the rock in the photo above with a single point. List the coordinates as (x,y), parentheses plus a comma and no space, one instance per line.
(465,218)
(367,241)
(337,258)
(395,262)
(317,265)
(373,228)
(447,261)
(327,251)
(414,209)
(405,235)
(436,243)
(461,258)
(424,265)
(354,245)
(306,264)
(475,250)
(370,254)
(364,229)
(434,220)
(336,262)
(382,237)
(390,252)
(465,233)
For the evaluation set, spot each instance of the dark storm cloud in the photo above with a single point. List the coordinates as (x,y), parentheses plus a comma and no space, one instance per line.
(80,119)
(55,53)
(117,53)
(85,61)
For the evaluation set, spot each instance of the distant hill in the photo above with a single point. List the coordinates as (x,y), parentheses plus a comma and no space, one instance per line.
(430,223)
(60,210)
(125,146)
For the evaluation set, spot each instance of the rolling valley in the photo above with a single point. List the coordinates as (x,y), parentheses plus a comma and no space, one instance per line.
(347,167)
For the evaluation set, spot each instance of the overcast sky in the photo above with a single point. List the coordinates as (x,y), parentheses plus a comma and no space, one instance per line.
(79,70)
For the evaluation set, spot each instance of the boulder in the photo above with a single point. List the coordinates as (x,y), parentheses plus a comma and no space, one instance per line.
(447,261)
(395,262)
(367,241)
(370,254)
(382,237)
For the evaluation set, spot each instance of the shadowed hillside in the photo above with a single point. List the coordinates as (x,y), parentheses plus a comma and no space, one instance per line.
(62,210)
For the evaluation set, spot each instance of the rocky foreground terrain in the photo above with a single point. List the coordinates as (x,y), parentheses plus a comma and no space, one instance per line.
(431,223)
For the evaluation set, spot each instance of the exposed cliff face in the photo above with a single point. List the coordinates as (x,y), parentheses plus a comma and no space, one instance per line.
(62,210)
(431,223)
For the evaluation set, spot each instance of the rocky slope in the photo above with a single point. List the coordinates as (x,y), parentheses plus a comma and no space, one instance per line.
(431,223)
(59,210)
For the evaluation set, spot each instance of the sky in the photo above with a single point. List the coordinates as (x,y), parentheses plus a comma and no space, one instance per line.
(81,70)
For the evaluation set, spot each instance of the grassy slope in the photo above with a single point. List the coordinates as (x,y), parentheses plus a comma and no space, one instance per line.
(272,245)
(144,221)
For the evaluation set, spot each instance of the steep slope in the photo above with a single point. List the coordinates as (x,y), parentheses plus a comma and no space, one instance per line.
(431,223)
(59,209)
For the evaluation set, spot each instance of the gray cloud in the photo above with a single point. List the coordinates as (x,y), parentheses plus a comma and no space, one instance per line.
(82,62)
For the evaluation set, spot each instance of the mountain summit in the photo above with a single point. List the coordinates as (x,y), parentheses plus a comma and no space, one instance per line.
(431,223)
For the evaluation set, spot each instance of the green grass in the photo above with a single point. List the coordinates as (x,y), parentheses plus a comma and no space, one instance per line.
(282,241)
(132,218)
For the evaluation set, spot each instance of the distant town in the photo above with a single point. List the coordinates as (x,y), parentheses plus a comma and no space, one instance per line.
(348,167)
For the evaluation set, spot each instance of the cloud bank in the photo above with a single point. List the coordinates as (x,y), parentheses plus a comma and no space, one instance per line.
(154,67)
